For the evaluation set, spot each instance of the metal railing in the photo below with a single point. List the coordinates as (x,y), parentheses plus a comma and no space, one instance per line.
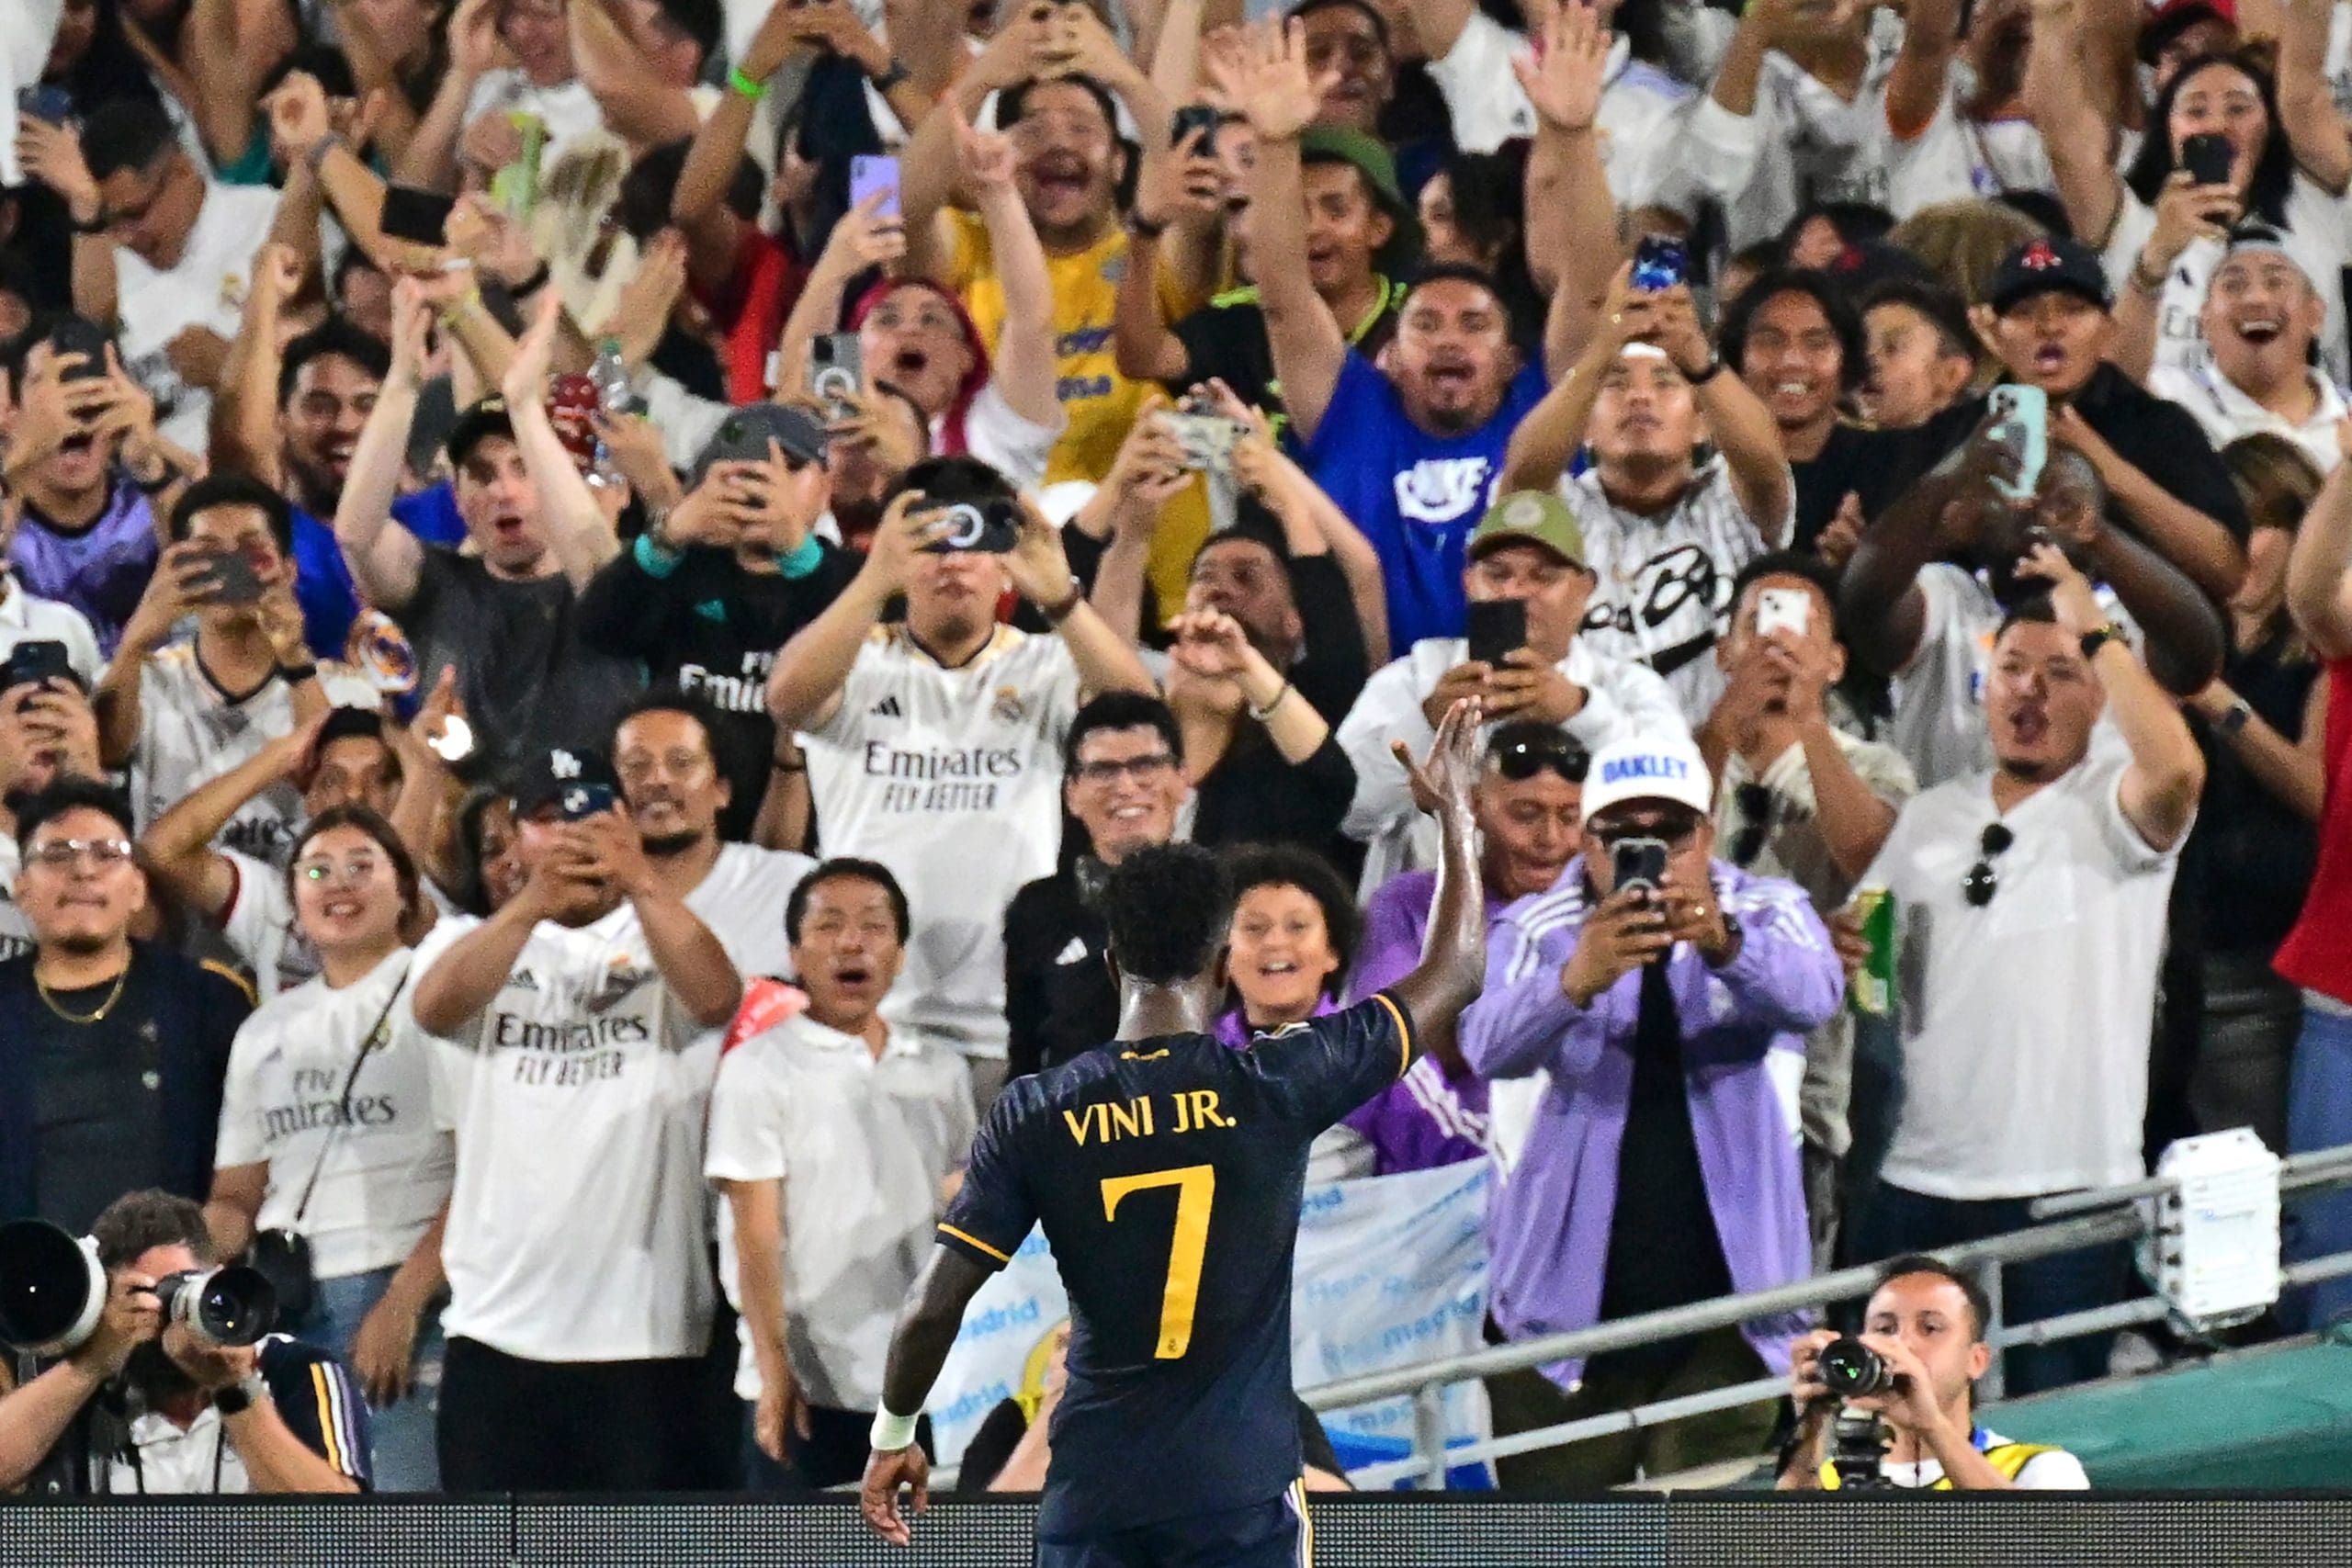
(2075,1221)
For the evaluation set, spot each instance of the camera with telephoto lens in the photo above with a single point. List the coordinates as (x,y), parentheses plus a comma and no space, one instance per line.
(235,1305)
(1851,1370)
(1858,1451)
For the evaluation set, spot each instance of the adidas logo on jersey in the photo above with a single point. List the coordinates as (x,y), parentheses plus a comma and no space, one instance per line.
(522,980)
(886,708)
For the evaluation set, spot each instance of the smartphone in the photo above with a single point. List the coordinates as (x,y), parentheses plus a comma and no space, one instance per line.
(1200,118)
(1638,863)
(418,216)
(232,579)
(2023,415)
(1780,608)
(581,801)
(77,335)
(870,173)
(36,664)
(2207,156)
(1496,626)
(1659,264)
(836,371)
(1207,440)
(988,527)
(52,106)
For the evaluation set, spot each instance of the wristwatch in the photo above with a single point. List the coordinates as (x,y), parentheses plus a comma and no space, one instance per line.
(1144,228)
(891,75)
(1705,373)
(2098,635)
(2234,717)
(241,1395)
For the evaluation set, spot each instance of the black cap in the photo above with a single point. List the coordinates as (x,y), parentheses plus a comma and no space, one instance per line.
(2169,21)
(2051,265)
(477,424)
(344,722)
(743,436)
(545,779)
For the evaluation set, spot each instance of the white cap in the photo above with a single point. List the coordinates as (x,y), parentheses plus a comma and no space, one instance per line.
(1648,767)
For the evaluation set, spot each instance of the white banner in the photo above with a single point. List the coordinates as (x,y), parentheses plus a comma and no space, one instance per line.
(1390,1271)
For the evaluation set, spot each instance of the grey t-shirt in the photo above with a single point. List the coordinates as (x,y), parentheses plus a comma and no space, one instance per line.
(528,682)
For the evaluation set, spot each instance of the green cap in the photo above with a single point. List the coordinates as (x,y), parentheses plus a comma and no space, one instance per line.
(1534,517)
(1370,157)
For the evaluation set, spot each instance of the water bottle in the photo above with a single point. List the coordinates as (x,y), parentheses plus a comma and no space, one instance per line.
(612,378)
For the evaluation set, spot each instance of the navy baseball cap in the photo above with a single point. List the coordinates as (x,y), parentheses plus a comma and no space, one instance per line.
(2049,265)
(546,778)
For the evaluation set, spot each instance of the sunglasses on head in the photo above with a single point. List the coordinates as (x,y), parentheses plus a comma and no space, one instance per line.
(1522,757)
(1983,881)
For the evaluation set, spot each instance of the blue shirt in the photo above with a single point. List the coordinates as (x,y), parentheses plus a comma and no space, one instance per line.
(1416,496)
(322,584)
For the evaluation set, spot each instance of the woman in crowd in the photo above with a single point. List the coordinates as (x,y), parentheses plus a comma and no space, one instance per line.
(331,1164)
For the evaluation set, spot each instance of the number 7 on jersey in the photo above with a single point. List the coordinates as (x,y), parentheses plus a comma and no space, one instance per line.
(1188,1248)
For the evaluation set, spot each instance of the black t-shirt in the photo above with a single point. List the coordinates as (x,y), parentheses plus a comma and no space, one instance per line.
(1167,1174)
(1059,1002)
(1662,1247)
(1844,465)
(2250,858)
(1227,339)
(100,1107)
(713,627)
(528,680)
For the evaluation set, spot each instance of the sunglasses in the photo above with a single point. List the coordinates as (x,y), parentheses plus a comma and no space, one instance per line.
(1755,804)
(1522,757)
(1983,881)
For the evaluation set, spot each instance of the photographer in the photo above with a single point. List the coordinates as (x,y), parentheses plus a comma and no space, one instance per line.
(1925,1325)
(151,1408)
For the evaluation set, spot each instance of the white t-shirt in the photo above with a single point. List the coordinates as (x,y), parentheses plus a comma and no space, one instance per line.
(1641,106)
(2024,1022)
(578,1223)
(16,932)
(1014,447)
(1954,158)
(2056,1471)
(2226,413)
(27,617)
(952,778)
(861,1146)
(260,928)
(741,901)
(190,734)
(1938,722)
(2315,238)
(1663,586)
(207,289)
(567,109)
(388,1171)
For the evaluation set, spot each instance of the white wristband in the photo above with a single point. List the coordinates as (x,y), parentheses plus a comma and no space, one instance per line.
(891,1433)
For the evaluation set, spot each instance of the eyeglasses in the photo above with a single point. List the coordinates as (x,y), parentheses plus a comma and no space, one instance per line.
(1522,757)
(1982,881)
(1755,804)
(1134,767)
(97,854)
(322,870)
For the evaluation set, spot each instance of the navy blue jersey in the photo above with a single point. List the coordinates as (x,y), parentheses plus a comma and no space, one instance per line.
(1167,1174)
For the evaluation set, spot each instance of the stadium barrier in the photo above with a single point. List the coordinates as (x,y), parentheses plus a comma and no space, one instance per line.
(2079,1220)
(1366,1530)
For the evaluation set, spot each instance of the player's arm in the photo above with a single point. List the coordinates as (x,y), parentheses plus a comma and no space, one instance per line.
(919,1345)
(1453,956)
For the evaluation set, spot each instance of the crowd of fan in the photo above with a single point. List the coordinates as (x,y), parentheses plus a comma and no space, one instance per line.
(440,634)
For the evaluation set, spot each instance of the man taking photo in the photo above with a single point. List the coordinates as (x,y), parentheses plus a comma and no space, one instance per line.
(1926,1322)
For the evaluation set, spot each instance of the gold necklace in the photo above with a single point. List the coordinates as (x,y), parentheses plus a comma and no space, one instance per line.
(104,1006)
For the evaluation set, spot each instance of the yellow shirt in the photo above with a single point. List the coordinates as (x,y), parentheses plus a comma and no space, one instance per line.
(1101,403)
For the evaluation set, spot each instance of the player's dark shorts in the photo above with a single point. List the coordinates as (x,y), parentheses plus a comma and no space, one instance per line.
(1273,1534)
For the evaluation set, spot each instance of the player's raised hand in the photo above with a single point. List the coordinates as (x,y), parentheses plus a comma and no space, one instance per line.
(1442,780)
(878,1496)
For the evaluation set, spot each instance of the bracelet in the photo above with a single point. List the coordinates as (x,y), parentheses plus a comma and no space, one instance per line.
(751,88)
(890,1432)
(294,674)
(241,1396)
(1058,613)
(1705,373)
(1262,713)
(892,74)
(163,481)
(1143,228)
(531,285)
(316,154)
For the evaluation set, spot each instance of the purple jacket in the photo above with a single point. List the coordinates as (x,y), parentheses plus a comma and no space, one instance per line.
(102,570)
(1547,1228)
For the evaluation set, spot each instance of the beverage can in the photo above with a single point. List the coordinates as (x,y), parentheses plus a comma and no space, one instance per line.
(1874,986)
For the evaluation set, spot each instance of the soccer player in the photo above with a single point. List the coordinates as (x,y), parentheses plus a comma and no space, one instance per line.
(1167,1170)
